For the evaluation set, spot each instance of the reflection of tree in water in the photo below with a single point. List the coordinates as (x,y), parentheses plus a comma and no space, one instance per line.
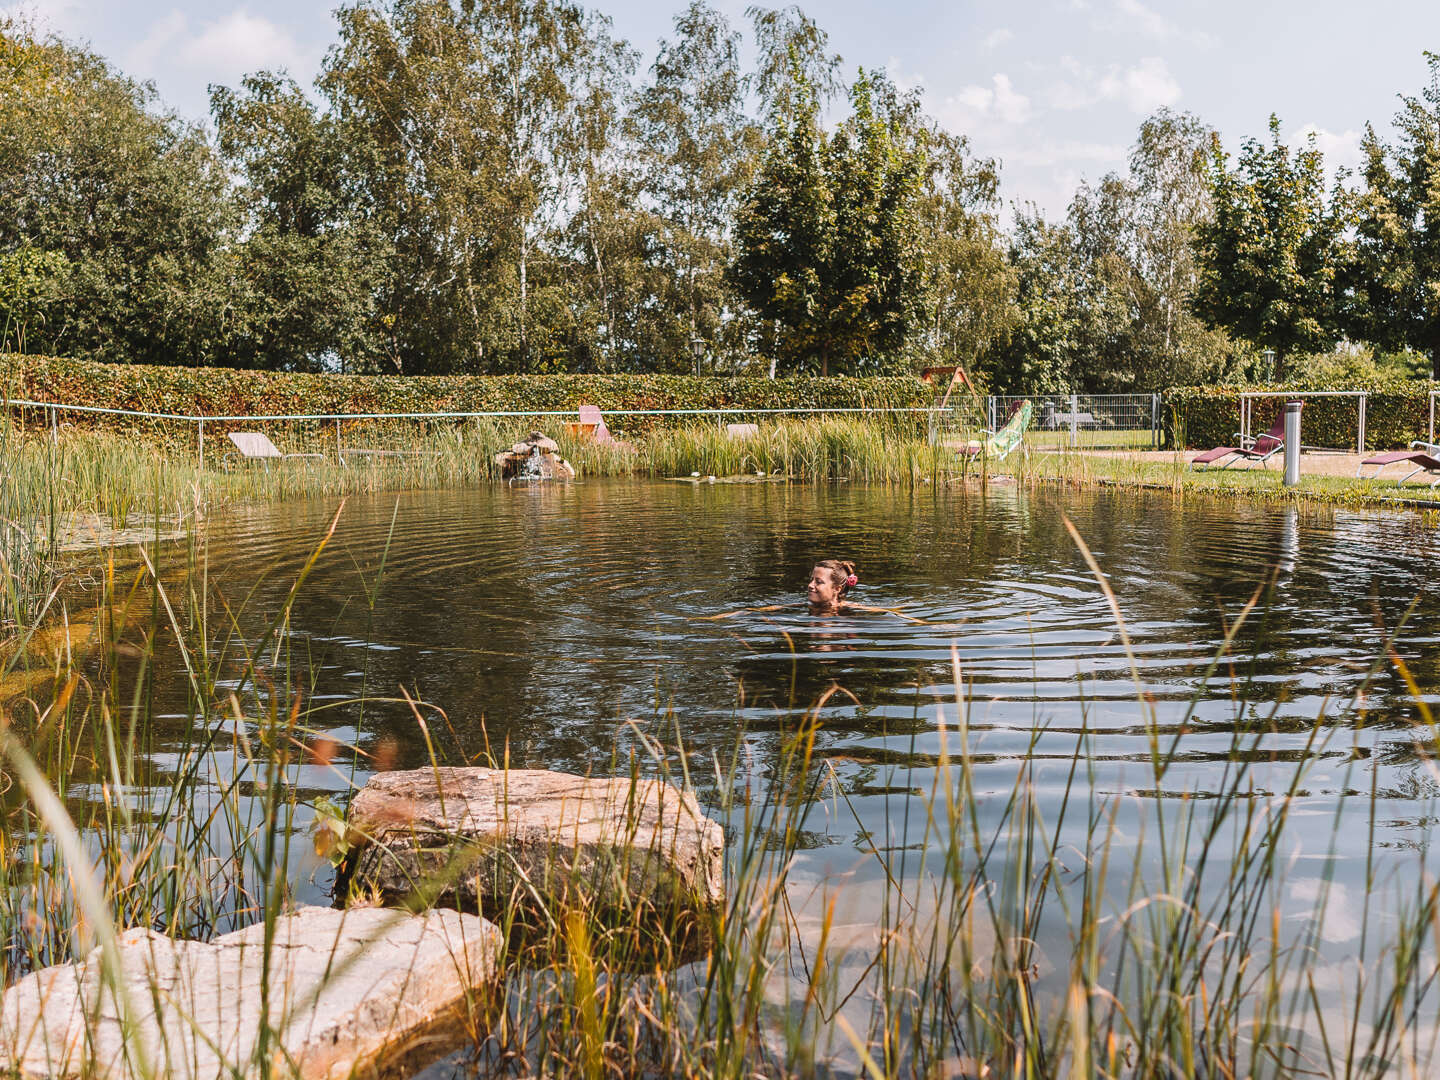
(557,614)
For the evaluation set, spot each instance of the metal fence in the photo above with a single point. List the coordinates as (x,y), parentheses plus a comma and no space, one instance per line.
(1084,420)
(374,435)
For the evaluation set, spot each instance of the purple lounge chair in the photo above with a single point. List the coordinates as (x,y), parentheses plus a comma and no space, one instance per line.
(1419,460)
(1261,449)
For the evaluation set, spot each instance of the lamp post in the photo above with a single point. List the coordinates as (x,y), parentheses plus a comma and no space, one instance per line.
(1269,355)
(697,346)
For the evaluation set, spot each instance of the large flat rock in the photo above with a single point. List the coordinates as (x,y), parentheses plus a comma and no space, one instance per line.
(478,838)
(364,993)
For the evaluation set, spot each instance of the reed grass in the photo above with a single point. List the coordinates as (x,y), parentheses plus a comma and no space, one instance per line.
(1016,935)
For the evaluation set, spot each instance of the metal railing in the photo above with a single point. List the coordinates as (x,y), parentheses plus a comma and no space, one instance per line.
(1249,397)
(1084,420)
(53,409)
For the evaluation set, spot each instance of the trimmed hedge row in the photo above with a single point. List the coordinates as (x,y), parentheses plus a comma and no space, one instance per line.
(230,392)
(1396,413)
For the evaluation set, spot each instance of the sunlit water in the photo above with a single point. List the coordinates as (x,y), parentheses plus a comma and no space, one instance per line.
(544,620)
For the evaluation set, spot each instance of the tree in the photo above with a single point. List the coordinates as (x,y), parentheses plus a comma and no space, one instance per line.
(1269,259)
(1042,352)
(697,151)
(970,283)
(829,249)
(453,122)
(134,203)
(1394,277)
(791,53)
(304,278)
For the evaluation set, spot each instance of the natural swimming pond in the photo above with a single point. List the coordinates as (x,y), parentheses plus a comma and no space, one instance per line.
(568,627)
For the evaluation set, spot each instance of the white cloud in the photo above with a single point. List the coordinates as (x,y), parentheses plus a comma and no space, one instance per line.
(903,80)
(1341,149)
(974,104)
(1142,87)
(220,49)
(1049,154)
(1134,17)
(996,38)
(1340,923)
(1143,19)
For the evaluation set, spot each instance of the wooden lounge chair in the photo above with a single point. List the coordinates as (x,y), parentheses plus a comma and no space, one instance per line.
(1261,449)
(257,445)
(1420,460)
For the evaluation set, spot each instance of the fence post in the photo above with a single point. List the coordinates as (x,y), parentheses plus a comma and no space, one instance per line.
(1360,437)
(1154,421)
(200,440)
(1074,415)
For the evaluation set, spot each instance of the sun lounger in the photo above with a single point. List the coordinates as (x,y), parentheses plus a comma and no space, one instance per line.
(1420,460)
(1260,449)
(999,444)
(593,424)
(255,444)
(742,431)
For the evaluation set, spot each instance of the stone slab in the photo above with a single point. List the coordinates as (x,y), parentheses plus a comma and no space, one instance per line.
(477,837)
(359,993)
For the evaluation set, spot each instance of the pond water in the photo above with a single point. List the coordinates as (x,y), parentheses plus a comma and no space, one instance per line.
(544,620)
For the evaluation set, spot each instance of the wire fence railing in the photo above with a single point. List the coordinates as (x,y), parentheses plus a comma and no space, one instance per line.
(351,435)
(1095,421)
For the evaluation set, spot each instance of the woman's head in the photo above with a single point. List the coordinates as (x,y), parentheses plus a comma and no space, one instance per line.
(829,581)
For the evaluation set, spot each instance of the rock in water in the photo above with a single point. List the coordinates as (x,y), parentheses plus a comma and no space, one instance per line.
(475,838)
(350,993)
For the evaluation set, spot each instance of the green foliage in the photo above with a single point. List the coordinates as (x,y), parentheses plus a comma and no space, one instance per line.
(303,280)
(696,152)
(1101,300)
(31,281)
(1394,276)
(828,241)
(1271,256)
(134,203)
(224,392)
(970,282)
(1397,413)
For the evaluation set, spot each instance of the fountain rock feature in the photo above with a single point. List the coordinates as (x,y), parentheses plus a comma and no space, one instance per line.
(536,457)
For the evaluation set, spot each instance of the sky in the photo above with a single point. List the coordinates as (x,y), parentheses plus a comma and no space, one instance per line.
(1054,89)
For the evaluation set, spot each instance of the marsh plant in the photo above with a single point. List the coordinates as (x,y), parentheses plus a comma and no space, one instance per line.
(996,931)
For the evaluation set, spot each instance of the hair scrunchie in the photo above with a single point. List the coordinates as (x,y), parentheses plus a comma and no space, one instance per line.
(851,581)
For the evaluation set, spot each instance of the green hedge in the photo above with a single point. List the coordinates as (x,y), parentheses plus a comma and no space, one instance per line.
(225,391)
(1396,413)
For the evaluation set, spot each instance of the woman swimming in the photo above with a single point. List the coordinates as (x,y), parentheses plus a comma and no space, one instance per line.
(829,582)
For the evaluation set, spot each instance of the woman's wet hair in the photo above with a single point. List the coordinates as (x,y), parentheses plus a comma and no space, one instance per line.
(842,571)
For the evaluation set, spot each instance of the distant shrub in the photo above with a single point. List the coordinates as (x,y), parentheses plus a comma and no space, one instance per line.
(1396,413)
(225,391)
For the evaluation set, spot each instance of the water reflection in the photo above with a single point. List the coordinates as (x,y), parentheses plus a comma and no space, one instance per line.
(544,620)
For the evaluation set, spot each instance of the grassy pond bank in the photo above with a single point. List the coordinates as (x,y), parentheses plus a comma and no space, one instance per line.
(1141,786)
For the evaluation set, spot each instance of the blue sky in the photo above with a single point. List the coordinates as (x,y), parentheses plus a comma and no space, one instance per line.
(1054,88)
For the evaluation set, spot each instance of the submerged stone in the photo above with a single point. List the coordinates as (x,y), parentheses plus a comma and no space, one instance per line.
(348,993)
(480,838)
